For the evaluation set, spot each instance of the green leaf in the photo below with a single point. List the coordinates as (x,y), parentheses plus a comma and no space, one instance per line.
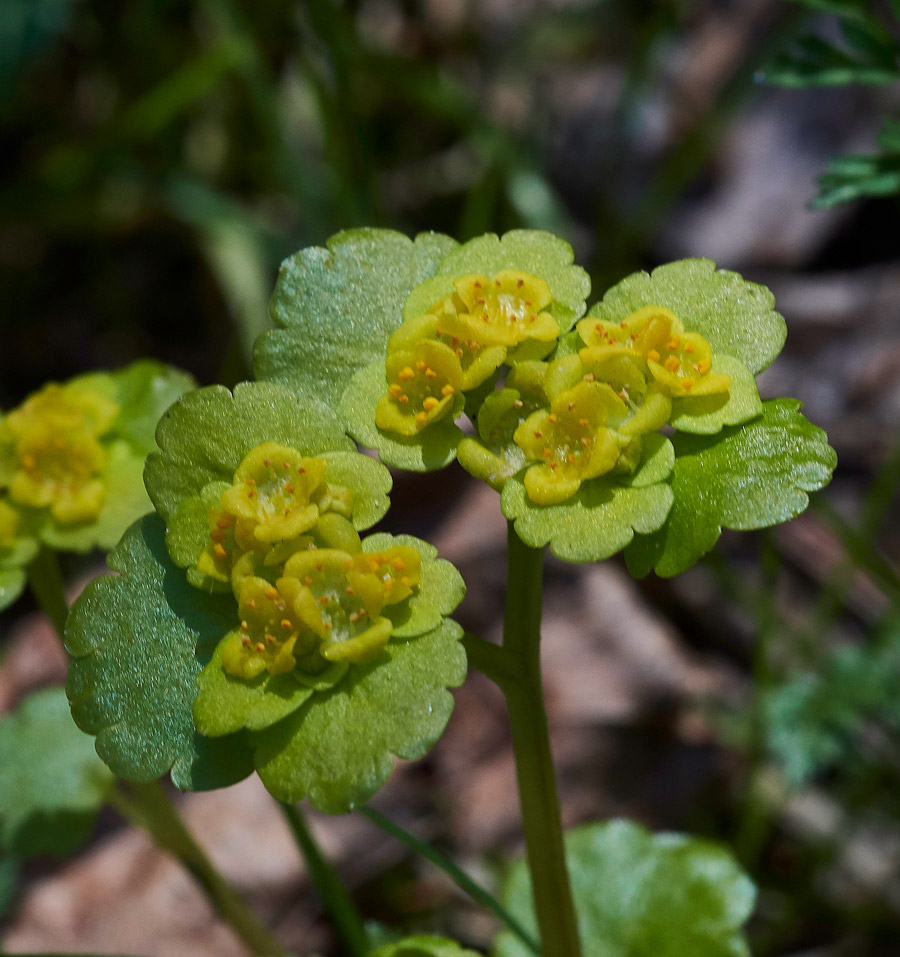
(12,584)
(602,517)
(644,895)
(338,306)
(431,449)
(849,178)
(144,390)
(748,476)
(226,704)
(423,945)
(736,317)
(528,250)
(708,414)
(52,784)
(139,640)
(338,749)
(440,590)
(204,437)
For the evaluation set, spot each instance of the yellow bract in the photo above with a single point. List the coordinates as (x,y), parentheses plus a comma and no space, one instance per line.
(51,452)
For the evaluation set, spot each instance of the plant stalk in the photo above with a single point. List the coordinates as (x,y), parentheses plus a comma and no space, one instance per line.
(344,915)
(148,807)
(538,796)
(46,584)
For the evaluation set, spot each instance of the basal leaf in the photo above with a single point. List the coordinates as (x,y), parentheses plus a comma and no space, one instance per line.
(338,749)
(748,476)
(736,317)
(139,640)
(431,449)
(423,945)
(644,895)
(52,784)
(337,307)
(204,437)
(602,517)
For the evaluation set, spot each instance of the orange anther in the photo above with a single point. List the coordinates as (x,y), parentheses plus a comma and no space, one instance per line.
(674,342)
(583,422)
(421,366)
(520,283)
(552,417)
(404,400)
(406,581)
(430,374)
(323,600)
(672,364)
(448,390)
(430,403)
(285,623)
(395,390)
(406,373)
(703,366)
(653,355)
(260,646)
(271,593)
(421,418)
(219,551)
(688,347)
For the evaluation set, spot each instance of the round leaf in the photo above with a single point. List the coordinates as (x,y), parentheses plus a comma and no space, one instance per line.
(734,316)
(226,704)
(644,895)
(337,307)
(52,784)
(139,640)
(338,749)
(748,476)
(204,437)
(603,515)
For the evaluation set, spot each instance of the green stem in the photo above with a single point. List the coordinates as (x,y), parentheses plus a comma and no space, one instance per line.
(491,660)
(458,876)
(46,584)
(531,745)
(337,901)
(148,807)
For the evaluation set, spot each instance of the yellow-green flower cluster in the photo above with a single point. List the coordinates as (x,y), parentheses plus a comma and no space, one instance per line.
(458,344)
(52,456)
(308,599)
(594,405)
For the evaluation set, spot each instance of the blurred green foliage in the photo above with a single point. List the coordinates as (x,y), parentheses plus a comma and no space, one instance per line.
(868,52)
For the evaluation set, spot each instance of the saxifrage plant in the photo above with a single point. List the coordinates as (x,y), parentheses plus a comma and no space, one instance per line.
(281,639)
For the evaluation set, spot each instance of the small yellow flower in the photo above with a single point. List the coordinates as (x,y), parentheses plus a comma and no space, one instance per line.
(679,361)
(570,441)
(506,309)
(424,385)
(51,453)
